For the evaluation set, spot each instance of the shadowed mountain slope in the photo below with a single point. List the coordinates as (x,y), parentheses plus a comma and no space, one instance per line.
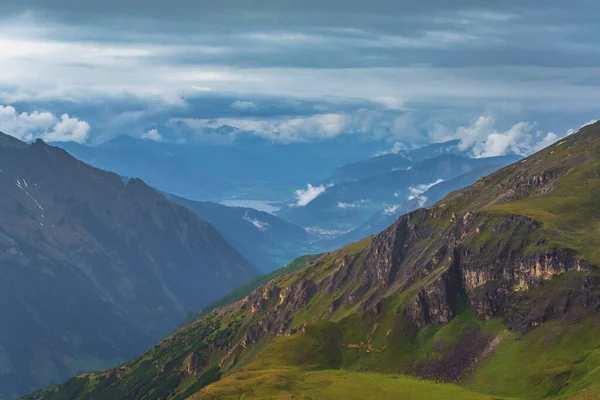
(94,269)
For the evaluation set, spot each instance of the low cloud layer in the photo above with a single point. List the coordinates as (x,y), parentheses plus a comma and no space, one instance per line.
(44,125)
(318,126)
(483,139)
(153,134)
(260,225)
(305,196)
(418,190)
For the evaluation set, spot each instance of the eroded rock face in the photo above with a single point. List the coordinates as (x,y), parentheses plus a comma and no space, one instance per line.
(297,295)
(258,300)
(392,248)
(489,275)
(436,303)
(193,364)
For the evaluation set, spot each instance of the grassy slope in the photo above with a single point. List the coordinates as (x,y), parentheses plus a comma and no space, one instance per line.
(332,385)
(245,289)
(351,354)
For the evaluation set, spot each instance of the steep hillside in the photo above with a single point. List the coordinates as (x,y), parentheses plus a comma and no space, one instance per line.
(94,270)
(493,292)
(247,288)
(265,240)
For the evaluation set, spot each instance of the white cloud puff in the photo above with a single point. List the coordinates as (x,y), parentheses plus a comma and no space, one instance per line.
(307,195)
(260,225)
(153,134)
(389,210)
(44,125)
(68,129)
(483,139)
(397,148)
(418,190)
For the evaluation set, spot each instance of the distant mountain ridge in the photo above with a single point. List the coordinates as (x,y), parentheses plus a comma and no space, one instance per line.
(205,172)
(393,161)
(94,270)
(267,241)
(347,205)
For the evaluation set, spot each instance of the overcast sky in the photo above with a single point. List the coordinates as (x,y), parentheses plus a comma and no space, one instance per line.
(398,71)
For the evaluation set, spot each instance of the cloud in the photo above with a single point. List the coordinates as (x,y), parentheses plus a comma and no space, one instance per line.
(418,190)
(309,194)
(390,102)
(521,139)
(389,210)
(243,105)
(460,60)
(356,204)
(318,126)
(397,148)
(483,139)
(68,129)
(153,134)
(260,225)
(44,125)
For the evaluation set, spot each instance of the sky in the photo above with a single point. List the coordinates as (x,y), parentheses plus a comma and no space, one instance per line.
(503,76)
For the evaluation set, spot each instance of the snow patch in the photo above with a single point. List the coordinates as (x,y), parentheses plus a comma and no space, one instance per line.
(22,186)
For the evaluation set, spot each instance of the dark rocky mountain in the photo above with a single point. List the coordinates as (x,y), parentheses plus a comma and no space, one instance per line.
(491,293)
(265,240)
(94,269)
(348,205)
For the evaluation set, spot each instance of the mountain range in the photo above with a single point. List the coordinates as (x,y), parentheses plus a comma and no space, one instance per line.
(208,172)
(94,268)
(346,206)
(267,241)
(493,292)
